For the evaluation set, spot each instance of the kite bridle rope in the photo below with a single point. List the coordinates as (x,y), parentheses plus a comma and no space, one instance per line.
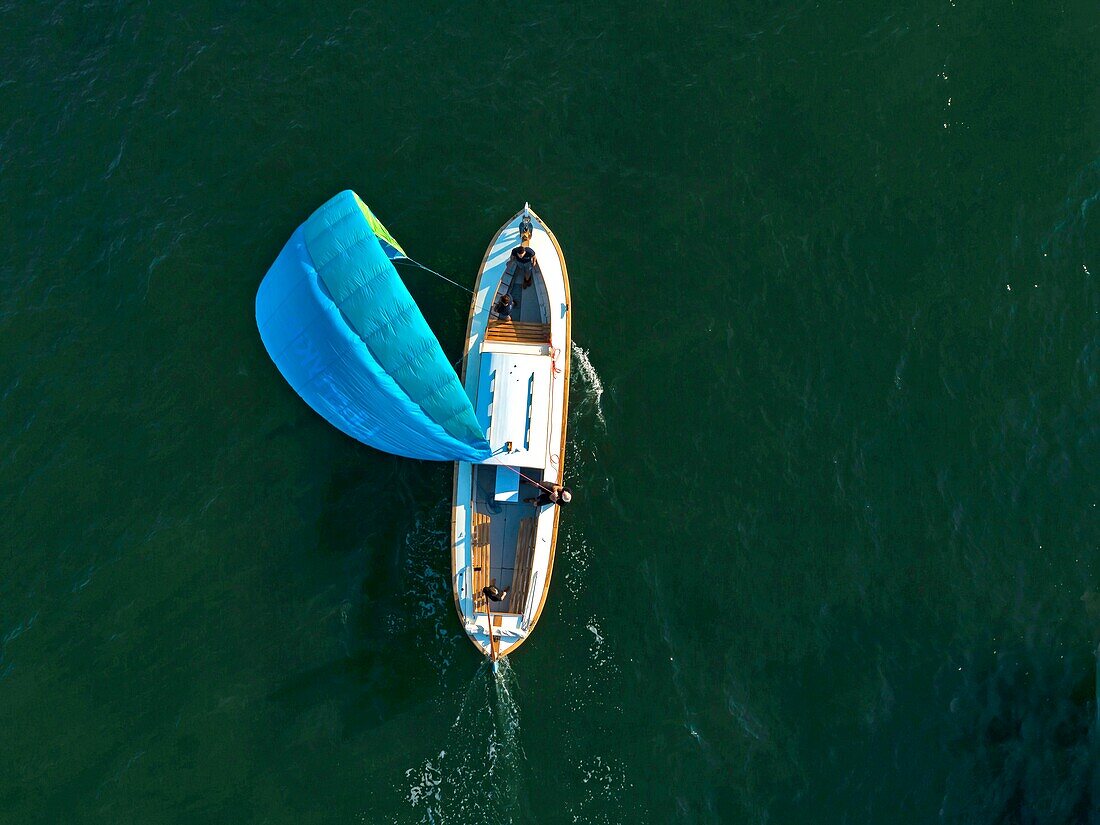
(433,272)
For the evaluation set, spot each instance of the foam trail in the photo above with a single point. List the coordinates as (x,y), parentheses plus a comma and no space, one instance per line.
(477,773)
(469,701)
(507,712)
(592,382)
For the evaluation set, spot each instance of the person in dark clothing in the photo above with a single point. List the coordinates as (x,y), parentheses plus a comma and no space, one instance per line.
(493,594)
(504,307)
(557,494)
(523,262)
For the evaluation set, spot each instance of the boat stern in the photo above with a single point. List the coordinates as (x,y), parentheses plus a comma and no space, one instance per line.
(506,627)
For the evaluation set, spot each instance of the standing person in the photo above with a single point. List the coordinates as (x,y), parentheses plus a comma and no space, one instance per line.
(523,262)
(557,494)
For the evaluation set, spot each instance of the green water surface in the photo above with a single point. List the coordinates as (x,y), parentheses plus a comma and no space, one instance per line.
(835,419)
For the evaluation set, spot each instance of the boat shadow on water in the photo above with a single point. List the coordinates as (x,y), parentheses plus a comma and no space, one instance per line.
(367,689)
(382,563)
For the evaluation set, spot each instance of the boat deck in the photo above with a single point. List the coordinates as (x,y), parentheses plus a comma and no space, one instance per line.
(526,305)
(511,526)
(504,540)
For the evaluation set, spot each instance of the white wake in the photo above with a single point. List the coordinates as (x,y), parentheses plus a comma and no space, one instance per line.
(478,773)
(592,383)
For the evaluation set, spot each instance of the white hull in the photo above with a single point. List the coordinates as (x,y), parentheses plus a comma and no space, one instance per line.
(517,376)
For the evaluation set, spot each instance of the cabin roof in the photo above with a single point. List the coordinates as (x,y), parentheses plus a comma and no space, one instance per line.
(510,386)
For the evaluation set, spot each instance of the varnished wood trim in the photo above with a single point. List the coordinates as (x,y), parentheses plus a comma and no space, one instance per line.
(519,332)
(566,354)
(525,552)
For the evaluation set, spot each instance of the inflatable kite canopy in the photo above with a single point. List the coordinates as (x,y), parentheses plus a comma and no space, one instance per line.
(346,334)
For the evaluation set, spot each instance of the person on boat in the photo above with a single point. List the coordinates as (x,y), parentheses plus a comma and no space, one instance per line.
(493,594)
(523,262)
(504,306)
(557,494)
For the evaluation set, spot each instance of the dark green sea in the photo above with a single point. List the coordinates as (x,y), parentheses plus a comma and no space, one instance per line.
(834,424)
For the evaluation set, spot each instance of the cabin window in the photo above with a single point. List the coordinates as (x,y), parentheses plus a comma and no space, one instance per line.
(492,396)
(530,405)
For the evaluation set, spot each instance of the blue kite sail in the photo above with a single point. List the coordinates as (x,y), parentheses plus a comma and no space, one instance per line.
(346,334)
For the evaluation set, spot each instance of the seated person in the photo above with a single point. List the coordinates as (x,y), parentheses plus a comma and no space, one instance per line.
(504,307)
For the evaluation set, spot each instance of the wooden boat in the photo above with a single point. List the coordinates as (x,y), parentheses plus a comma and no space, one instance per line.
(516,373)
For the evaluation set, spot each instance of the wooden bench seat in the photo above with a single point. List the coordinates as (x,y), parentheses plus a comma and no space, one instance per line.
(517,332)
(479,557)
(525,553)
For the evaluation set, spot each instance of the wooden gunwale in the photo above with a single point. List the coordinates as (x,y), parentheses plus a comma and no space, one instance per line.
(564,421)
